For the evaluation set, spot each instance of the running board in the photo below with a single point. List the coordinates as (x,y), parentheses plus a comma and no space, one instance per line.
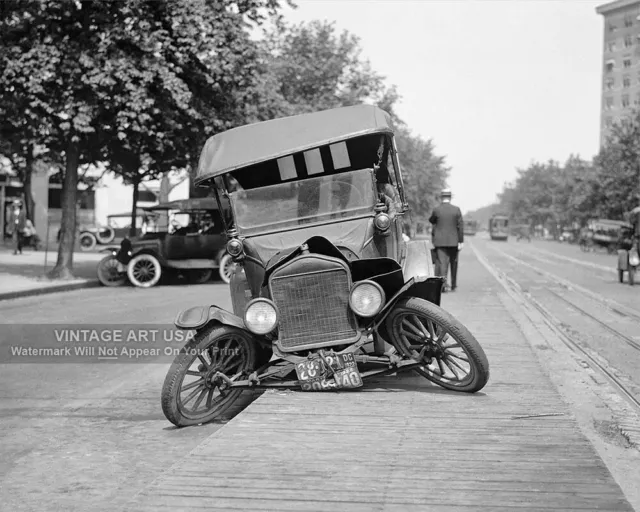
(192,264)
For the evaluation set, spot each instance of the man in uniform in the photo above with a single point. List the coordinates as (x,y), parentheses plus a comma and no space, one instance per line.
(448,238)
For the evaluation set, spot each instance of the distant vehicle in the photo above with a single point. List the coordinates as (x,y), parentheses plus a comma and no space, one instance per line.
(603,233)
(470,227)
(499,227)
(521,232)
(118,226)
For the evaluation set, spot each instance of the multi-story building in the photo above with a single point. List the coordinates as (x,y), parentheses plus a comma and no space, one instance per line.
(621,62)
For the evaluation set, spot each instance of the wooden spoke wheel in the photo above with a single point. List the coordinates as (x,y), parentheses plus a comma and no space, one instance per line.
(451,356)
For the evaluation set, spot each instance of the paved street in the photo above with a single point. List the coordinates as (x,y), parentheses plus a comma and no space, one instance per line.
(89,433)
(79,434)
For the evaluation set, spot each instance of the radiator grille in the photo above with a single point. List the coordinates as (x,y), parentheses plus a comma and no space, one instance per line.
(314,308)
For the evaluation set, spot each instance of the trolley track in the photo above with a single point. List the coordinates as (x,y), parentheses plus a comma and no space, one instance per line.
(610,304)
(594,359)
(631,342)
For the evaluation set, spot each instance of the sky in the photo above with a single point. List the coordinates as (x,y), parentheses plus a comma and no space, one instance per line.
(495,84)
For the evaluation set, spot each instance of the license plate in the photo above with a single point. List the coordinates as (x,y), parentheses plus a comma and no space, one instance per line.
(315,376)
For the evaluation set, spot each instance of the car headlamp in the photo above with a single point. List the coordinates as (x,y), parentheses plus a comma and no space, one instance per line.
(366,298)
(235,247)
(382,221)
(261,316)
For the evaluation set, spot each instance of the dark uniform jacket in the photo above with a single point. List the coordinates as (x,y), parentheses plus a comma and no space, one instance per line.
(447,226)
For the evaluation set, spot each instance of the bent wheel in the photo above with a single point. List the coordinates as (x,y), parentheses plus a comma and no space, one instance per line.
(452,357)
(227,267)
(193,392)
(200,276)
(144,271)
(108,273)
(87,241)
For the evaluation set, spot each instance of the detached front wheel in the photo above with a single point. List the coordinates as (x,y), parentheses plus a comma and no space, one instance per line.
(451,356)
(196,389)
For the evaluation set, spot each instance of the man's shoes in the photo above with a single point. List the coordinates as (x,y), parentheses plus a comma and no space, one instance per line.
(453,288)
(445,288)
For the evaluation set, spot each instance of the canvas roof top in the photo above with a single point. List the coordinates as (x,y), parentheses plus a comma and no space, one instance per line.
(251,144)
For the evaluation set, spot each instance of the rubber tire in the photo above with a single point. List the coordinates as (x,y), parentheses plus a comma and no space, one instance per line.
(632,276)
(225,261)
(105,239)
(103,280)
(156,264)
(199,276)
(87,236)
(460,333)
(621,275)
(182,363)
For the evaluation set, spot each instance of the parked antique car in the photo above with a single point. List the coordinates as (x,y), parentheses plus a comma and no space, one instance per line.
(117,227)
(326,293)
(194,247)
(602,233)
(499,227)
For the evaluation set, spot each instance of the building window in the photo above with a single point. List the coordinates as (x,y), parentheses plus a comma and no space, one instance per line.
(625,101)
(611,46)
(612,27)
(608,104)
(627,63)
(628,21)
(610,84)
(628,41)
(626,82)
(609,66)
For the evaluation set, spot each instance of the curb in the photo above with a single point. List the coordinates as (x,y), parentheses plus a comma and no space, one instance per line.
(91,283)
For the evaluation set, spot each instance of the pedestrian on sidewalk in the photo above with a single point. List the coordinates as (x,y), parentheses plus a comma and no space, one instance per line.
(447,237)
(16,224)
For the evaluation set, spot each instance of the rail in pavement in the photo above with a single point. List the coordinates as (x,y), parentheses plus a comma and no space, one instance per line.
(402,444)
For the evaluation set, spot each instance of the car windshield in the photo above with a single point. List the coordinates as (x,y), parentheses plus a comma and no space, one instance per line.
(337,196)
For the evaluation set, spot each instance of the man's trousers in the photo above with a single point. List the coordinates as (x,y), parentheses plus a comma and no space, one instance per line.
(444,257)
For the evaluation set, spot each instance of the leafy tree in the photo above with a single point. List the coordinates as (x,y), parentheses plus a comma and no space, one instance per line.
(137,83)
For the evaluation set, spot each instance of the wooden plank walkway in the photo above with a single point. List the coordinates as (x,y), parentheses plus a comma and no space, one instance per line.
(402,444)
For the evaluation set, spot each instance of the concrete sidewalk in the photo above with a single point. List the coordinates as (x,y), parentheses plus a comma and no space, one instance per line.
(402,444)
(25,274)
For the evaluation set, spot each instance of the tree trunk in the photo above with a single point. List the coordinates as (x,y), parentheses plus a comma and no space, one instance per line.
(165,188)
(29,203)
(134,209)
(64,265)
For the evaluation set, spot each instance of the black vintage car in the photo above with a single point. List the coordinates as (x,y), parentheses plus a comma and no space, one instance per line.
(327,291)
(185,237)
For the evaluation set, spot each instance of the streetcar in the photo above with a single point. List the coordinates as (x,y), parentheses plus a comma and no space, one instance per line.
(499,227)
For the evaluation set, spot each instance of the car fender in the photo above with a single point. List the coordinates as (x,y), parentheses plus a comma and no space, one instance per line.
(112,250)
(200,316)
(418,260)
(422,287)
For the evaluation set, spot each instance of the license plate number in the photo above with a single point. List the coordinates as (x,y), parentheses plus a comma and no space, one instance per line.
(315,376)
